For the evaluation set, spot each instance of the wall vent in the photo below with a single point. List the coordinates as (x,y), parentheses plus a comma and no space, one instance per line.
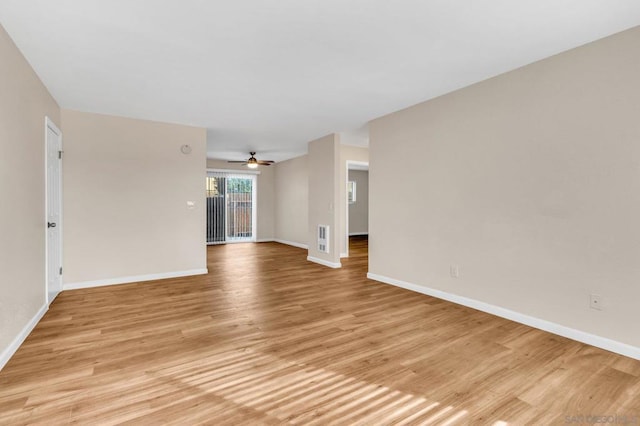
(323,238)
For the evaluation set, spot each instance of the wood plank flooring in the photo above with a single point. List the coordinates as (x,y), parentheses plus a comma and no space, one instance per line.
(269,338)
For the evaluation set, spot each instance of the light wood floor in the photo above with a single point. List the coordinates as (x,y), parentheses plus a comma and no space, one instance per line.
(268,338)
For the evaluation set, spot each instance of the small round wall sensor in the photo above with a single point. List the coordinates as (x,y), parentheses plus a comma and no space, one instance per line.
(186,149)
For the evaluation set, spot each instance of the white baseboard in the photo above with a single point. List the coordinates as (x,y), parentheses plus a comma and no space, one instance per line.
(355,234)
(265,240)
(292,243)
(134,279)
(6,354)
(551,327)
(324,262)
(343,255)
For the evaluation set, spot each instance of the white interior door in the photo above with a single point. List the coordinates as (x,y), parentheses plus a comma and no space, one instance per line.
(53,142)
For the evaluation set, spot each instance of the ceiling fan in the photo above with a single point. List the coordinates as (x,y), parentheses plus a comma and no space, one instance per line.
(253,162)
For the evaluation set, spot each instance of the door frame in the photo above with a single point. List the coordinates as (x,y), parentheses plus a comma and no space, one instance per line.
(346,200)
(49,124)
(254,207)
(254,190)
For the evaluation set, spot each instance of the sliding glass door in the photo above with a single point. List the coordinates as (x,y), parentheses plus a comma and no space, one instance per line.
(231,212)
(216,202)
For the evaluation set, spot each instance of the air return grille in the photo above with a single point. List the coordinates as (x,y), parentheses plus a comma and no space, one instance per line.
(323,238)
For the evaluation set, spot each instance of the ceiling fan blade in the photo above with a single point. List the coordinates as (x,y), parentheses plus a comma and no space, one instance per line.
(252,161)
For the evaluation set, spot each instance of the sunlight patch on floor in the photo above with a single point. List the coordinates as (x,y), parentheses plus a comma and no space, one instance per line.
(300,393)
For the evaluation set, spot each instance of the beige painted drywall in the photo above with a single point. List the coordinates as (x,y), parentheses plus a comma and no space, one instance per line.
(24,103)
(126,187)
(359,210)
(265,194)
(292,200)
(347,153)
(323,161)
(529,181)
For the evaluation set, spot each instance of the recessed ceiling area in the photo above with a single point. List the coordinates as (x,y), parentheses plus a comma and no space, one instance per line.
(269,76)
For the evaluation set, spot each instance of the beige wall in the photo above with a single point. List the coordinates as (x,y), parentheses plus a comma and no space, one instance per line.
(266,195)
(529,181)
(359,210)
(347,153)
(292,200)
(24,103)
(126,187)
(323,161)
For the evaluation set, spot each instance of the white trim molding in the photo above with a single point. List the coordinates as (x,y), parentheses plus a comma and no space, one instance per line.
(265,240)
(292,243)
(6,355)
(324,262)
(134,279)
(551,327)
(343,255)
(356,234)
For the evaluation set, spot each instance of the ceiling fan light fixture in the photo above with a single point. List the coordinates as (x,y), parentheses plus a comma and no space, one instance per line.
(252,162)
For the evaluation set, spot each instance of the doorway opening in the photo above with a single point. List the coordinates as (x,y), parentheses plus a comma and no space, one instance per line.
(53,215)
(231,207)
(357,202)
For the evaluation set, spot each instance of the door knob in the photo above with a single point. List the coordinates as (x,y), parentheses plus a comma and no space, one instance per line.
(51,224)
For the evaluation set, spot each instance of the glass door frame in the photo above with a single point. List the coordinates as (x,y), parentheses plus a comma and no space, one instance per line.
(241,174)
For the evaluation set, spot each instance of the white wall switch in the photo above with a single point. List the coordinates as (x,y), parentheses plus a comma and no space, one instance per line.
(454,271)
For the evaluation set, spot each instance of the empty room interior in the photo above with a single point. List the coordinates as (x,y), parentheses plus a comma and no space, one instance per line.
(320,212)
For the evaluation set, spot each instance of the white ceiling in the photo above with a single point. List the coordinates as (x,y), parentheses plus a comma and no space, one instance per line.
(270,75)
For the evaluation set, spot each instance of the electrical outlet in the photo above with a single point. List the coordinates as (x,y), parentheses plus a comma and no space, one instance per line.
(595,302)
(454,271)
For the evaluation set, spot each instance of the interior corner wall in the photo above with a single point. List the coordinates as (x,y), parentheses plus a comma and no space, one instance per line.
(24,104)
(323,161)
(292,201)
(529,181)
(347,153)
(359,210)
(265,182)
(126,188)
